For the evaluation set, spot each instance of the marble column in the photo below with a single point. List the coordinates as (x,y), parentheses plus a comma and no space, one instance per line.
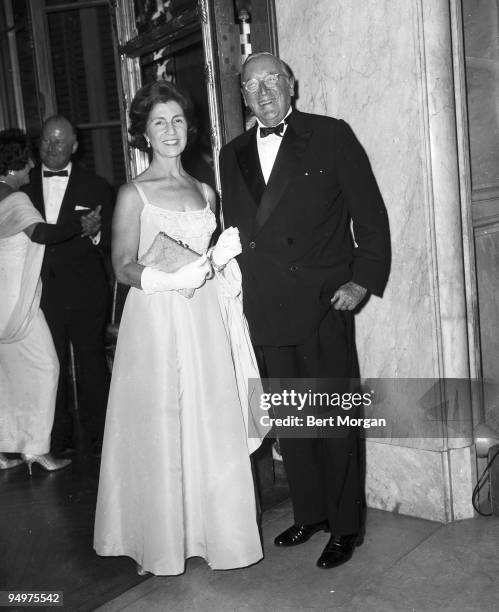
(388,69)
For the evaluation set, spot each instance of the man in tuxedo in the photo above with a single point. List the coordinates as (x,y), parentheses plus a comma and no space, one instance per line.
(293,184)
(75,288)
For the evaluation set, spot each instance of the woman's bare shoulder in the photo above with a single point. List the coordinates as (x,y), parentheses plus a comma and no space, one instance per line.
(129,197)
(209,195)
(203,188)
(129,191)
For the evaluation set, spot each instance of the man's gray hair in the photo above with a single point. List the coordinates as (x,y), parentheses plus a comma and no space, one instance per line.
(285,68)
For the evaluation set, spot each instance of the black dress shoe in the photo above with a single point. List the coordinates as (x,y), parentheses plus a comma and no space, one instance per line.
(297,534)
(339,550)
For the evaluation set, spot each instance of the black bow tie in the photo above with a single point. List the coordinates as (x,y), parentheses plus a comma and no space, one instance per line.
(278,130)
(49,173)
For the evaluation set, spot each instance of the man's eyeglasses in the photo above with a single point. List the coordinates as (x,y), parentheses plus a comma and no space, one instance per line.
(270,81)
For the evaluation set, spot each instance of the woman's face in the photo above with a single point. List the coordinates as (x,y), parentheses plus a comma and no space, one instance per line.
(167,129)
(22,176)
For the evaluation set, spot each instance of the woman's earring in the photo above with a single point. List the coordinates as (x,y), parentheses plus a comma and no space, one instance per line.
(148,142)
(12,172)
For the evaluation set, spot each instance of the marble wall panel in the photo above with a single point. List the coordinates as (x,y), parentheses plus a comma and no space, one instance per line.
(487,257)
(361,64)
(482,69)
(416,482)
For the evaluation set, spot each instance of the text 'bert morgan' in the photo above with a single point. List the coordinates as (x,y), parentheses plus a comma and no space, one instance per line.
(313,421)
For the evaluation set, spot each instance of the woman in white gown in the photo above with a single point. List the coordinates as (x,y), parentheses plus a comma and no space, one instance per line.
(29,368)
(175,478)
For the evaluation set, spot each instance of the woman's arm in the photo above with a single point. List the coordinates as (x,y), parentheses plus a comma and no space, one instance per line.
(49,233)
(212,198)
(126,235)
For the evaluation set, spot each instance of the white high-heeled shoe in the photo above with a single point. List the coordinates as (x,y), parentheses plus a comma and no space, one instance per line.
(6,463)
(47,462)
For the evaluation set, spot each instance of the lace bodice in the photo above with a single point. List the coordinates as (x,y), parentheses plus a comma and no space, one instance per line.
(194,227)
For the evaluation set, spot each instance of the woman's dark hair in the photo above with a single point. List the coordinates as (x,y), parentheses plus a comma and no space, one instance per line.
(144,101)
(15,150)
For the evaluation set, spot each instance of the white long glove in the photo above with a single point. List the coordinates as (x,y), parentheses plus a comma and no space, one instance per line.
(227,247)
(190,276)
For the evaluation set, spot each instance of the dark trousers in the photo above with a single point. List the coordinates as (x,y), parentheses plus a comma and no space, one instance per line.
(324,473)
(85,330)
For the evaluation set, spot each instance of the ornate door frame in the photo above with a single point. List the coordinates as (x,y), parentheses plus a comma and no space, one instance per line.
(218,23)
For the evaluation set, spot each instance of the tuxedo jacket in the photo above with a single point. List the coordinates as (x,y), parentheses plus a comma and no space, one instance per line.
(73,272)
(297,245)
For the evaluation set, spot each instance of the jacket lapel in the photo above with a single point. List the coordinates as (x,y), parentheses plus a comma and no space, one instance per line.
(36,189)
(70,196)
(290,153)
(249,163)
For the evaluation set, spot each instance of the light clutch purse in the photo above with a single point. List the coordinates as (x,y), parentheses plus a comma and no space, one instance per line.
(169,254)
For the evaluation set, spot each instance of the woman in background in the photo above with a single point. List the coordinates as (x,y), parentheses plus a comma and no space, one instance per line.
(175,477)
(29,368)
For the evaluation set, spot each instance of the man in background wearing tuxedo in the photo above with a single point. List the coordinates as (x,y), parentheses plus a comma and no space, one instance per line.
(292,184)
(75,287)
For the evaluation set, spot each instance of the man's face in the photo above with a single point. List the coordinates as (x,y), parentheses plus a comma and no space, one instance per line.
(57,144)
(269,104)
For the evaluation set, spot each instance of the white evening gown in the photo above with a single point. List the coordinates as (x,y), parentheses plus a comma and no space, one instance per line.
(175,478)
(29,368)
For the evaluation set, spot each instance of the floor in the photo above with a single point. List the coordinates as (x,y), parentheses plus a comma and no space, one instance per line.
(405,564)
(46,526)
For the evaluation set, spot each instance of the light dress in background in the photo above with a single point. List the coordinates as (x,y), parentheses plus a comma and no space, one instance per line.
(175,478)
(29,368)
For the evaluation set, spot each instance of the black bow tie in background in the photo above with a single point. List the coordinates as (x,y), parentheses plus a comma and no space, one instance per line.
(278,130)
(49,173)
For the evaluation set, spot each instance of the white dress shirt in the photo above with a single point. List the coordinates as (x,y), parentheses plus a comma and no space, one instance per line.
(54,189)
(268,148)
